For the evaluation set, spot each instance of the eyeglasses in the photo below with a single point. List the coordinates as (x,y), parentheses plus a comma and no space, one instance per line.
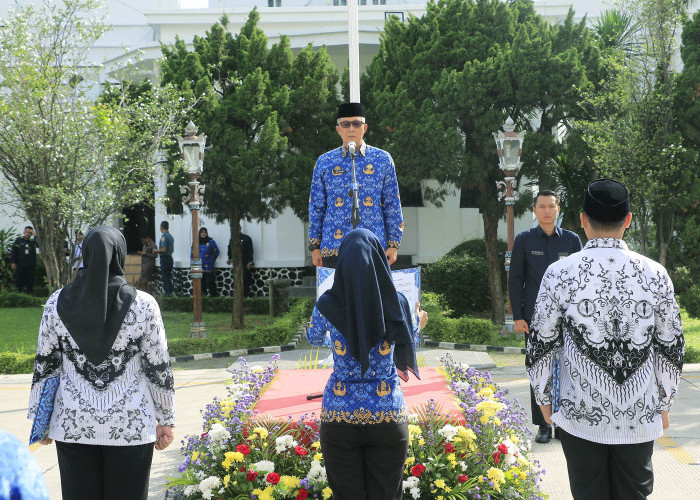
(356,124)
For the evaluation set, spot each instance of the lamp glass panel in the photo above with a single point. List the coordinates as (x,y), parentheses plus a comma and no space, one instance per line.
(511,148)
(191,154)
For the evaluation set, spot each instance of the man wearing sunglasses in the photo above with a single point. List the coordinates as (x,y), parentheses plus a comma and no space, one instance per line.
(330,203)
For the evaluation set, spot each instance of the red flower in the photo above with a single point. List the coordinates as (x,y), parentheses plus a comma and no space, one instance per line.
(462,478)
(302,494)
(496,456)
(243,448)
(273,478)
(204,434)
(417,470)
(251,475)
(449,448)
(301,451)
(503,448)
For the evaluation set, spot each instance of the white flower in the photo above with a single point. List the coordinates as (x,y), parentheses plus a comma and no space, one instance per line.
(284,442)
(191,490)
(462,385)
(448,432)
(513,452)
(219,433)
(415,492)
(463,465)
(411,482)
(207,485)
(263,466)
(317,472)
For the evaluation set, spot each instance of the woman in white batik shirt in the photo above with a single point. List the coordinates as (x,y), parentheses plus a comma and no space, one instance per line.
(115,402)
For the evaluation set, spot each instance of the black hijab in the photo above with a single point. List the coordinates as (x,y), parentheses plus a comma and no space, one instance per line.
(206,239)
(365,307)
(93,306)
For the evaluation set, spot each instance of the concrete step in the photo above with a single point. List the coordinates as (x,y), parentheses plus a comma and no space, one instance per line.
(302,291)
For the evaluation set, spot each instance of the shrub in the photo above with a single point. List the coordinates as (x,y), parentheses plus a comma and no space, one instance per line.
(278,333)
(442,328)
(256,305)
(690,300)
(16,299)
(682,279)
(16,362)
(692,355)
(461,279)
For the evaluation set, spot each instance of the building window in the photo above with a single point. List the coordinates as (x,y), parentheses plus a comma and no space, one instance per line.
(274,3)
(340,3)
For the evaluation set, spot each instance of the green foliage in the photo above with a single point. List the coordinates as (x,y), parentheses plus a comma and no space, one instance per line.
(16,362)
(63,154)
(7,237)
(278,333)
(16,299)
(267,113)
(257,305)
(441,84)
(442,328)
(692,355)
(690,300)
(461,278)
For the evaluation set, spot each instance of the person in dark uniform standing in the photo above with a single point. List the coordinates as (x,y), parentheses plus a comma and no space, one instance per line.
(247,263)
(533,251)
(23,260)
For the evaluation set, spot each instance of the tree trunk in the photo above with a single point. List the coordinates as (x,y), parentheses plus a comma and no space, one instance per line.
(237,319)
(493,264)
(50,240)
(666,225)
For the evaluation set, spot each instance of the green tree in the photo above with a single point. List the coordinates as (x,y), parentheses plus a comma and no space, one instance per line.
(440,85)
(61,151)
(633,129)
(267,115)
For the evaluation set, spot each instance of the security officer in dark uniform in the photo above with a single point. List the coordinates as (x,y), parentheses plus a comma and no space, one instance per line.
(533,251)
(23,260)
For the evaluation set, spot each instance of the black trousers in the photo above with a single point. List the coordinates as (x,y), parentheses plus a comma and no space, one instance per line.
(104,472)
(365,461)
(166,273)
(537,417)
(209,284)
(608,471)
(24,279)
(330,262)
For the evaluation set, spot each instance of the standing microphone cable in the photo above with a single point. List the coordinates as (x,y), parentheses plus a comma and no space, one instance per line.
(355,217)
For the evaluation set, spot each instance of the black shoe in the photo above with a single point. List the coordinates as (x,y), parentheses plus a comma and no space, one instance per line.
(557,434)
(544,434)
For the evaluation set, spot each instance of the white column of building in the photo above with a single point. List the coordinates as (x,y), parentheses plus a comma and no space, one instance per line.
(354,51)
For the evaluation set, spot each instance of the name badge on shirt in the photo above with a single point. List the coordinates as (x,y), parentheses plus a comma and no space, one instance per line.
(537,252)
(26,251)
(563,255)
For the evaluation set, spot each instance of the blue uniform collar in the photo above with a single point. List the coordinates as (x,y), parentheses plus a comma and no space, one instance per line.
(363,149)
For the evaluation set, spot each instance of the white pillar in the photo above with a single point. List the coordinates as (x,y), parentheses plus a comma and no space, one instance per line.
(354,51)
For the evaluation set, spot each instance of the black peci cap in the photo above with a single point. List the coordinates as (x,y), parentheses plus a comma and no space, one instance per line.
(351,109)
(606,200)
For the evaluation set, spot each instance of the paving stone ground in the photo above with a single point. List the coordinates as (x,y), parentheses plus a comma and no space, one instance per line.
(676,456)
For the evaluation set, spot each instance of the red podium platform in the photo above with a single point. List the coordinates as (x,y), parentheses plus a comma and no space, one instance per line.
(286,396)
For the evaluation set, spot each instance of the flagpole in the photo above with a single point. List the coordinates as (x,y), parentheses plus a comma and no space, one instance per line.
(354,50)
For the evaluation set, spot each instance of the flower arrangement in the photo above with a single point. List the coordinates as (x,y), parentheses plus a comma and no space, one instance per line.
(241,456)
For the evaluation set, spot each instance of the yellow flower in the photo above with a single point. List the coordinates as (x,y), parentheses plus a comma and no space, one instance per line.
(316,445)
(481,479)
(327,492)
(523,476)
(234,456)
(410,461)
(318,457)
(421,442)
(264,445)
(514,439)
(486,393)
(451,457)
(289,482)
(227,464)
(454,464)
(457,439)
(261,431)
(413,431)
(496,421)
(266,494)
(257,492)
(467,434)
(496,475)
(440,483)
(195,456)
(447,489)
(523,461)
(227,478)
(440,497)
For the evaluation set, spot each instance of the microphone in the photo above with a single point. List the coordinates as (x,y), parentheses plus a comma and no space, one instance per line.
(351,148)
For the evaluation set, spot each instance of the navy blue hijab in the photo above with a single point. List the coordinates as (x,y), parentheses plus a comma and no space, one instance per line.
(365,307)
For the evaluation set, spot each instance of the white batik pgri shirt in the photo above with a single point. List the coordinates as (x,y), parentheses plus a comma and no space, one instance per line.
(610,316)
(118,402)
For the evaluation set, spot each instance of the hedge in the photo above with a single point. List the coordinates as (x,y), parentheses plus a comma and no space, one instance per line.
(278,333)
(464,330)
(15,299)
(690,300)
(16,362)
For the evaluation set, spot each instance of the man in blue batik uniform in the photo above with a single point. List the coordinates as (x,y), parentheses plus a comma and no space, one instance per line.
(330,203)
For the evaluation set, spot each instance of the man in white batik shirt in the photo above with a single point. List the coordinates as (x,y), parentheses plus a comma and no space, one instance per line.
(611,317)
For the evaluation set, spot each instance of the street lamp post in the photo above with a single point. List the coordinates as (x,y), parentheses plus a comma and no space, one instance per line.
(510,146)
(192,149)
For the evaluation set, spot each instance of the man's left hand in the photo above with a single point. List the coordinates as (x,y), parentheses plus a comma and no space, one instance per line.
(547,413)
(391,254)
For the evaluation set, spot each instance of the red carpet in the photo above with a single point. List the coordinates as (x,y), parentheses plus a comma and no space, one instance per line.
(286,396)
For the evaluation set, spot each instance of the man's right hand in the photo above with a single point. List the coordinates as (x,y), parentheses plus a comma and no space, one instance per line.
(520,325)
(664,419)
(316,258)
(13,266)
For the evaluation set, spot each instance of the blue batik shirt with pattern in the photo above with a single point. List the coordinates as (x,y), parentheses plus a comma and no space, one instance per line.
(350,398)
(208,252)
(330,203)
